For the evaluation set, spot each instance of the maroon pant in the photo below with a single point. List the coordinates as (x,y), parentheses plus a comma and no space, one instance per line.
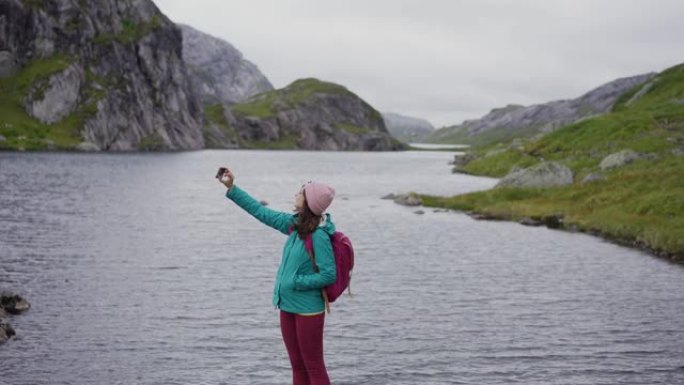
(303,337)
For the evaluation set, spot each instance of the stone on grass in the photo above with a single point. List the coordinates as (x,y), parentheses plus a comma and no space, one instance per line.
(545,174)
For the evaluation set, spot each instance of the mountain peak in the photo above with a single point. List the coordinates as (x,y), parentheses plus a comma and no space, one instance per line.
(218,70)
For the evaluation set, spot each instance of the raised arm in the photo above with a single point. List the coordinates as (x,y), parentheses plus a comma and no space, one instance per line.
(275,219)
(278,220)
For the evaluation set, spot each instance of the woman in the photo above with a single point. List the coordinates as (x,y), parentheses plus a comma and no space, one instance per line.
(298,285)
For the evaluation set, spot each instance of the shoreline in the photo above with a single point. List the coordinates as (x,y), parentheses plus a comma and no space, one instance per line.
(555,222)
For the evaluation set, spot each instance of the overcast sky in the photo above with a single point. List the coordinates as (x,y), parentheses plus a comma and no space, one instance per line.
(447,60)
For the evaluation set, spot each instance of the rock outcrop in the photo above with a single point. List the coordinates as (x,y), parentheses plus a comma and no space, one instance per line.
(110,72)
(313,115)
(545,174)
(406,128)
(512,121)
(6,332)
(410,199)
(622,158)
(13,303)
(218,70)
(10,304)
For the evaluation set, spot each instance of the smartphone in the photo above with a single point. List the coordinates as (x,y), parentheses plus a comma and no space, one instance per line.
(220,172)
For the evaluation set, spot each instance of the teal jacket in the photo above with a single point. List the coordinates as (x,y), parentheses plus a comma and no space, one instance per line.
(297,286)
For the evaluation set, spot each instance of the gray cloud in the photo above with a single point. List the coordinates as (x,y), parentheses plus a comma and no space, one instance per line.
(447,61)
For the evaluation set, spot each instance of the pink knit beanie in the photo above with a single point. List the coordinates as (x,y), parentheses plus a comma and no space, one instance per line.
(318,196)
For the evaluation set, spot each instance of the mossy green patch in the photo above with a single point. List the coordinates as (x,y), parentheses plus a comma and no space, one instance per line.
(131,31)
(214,116)
(353,129)
(152,142)
(260,106)
(268,104)
(285,142)
(499,164)
(461,136)
(38,4)
(23,132)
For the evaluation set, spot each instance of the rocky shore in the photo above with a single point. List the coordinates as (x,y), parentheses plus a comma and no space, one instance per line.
(10,305)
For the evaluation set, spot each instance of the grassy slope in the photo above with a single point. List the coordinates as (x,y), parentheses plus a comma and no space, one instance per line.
(267,104)
(460,136)
(26,133)
(640,204)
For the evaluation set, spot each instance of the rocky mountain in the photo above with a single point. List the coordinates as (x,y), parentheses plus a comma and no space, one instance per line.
(406,128)
(218,70)
(101,75)
(110,75)
(309,114)
(513,121)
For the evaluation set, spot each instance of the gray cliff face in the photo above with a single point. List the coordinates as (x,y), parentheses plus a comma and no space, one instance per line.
(218,70)
(515,120)
(119,70)
(313,115)
(406,128)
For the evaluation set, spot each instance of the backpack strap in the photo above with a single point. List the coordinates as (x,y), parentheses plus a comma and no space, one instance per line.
(308,245)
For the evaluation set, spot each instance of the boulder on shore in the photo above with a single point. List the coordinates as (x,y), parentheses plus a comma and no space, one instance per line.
(545,174)
(6,332)
(410,199)
(460,161)
(13,303)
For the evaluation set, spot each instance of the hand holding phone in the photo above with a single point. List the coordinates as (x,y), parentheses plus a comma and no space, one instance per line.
(225,176)
(221,171)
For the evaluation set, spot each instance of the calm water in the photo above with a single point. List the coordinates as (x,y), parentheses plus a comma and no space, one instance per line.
(141,272)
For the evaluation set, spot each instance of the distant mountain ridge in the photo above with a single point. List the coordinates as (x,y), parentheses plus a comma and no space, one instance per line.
(512,121)
(407,129)
(219,72)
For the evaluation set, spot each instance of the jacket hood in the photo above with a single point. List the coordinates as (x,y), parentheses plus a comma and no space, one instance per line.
(328,226)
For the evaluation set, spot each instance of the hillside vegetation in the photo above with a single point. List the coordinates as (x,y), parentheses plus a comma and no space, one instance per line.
(640,204)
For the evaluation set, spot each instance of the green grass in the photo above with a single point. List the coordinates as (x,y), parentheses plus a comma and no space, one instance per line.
(268,104)
(286,142)
(352,128)
(641,204)
(499,164)
(214,115)
(130,31)
(260,106)
(152,142)
(496,135)
(38,4)
(23,132)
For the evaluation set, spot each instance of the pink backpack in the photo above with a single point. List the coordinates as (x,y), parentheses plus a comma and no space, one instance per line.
(344,263)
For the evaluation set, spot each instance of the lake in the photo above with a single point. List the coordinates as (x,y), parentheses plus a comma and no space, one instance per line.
(140,271)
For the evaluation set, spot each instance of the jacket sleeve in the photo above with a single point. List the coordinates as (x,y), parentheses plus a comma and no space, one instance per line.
(278,220)
(325,260)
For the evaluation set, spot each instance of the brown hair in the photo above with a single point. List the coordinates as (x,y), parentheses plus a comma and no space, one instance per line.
(307,221)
